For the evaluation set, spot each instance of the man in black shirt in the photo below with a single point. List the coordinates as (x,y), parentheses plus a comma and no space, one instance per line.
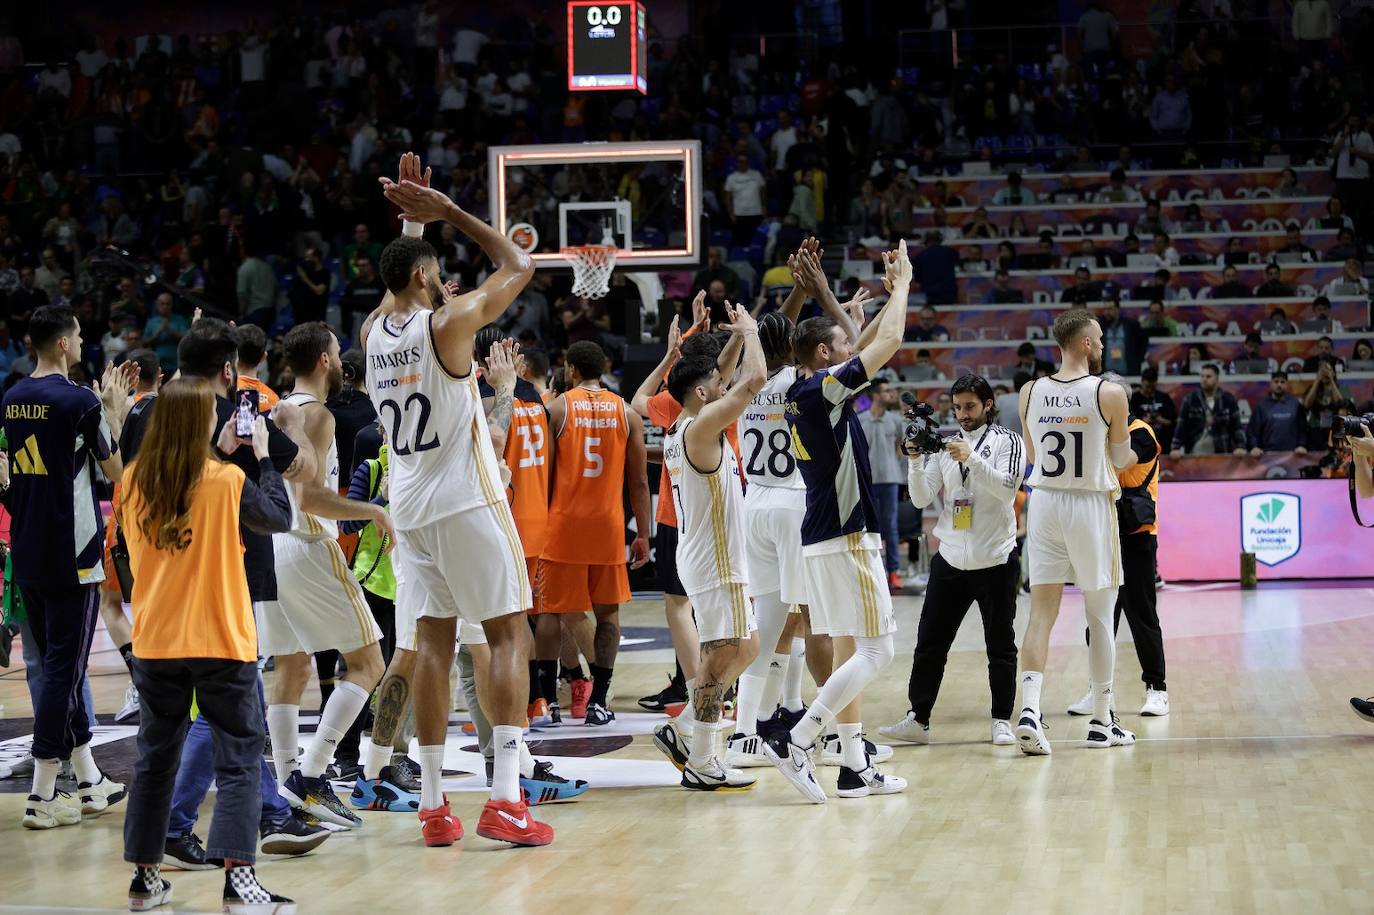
(56,432)
(209,350)
(1230,286)
(362,294)
(353,410)
(1154,406)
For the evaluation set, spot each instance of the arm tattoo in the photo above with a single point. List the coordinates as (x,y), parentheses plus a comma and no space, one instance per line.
(293,468)
(393,698)
(502,410)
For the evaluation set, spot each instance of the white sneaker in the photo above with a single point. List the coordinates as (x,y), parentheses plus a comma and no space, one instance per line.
(795,764)
(1156,704)
(832,755)
(55,811)
(1030,731)
(869,781)
(908,730)
(713,776)
(1083,707)
(1001,733)
(1108,735)
(130,707)
(98,798)
(745,751)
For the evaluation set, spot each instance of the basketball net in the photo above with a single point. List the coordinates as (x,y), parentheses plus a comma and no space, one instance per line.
(592,266)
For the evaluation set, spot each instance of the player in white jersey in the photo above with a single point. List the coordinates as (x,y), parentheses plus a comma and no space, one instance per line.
(320,605)
(709,498)
(1076,432)
(458,539)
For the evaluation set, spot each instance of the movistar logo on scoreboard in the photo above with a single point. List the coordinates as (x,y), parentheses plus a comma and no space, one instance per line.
(1271,526)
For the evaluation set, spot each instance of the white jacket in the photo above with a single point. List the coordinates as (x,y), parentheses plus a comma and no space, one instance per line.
(995,471)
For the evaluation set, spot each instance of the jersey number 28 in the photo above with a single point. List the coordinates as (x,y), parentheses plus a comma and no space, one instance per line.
(779,462)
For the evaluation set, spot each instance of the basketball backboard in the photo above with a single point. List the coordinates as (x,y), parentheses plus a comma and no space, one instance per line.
(645,198)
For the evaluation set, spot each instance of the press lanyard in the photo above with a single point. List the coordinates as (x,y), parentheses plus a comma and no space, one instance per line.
(963,471)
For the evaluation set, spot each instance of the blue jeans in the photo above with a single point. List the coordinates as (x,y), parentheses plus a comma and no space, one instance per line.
(197,770)
(885,499)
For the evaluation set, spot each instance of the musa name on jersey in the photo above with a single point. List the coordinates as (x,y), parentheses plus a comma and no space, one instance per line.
(1064,419)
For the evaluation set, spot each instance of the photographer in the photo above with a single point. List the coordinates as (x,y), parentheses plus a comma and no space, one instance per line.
(976,477)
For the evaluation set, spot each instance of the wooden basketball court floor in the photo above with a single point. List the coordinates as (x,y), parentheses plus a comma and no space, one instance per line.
(1251,796)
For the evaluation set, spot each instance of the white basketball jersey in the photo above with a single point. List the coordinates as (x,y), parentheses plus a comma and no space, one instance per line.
(303,524)
(1064,419)
(441,458)
(710,515)
(765,440)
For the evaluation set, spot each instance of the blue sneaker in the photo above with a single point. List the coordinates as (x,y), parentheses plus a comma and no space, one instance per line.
(383,793)
(546,787)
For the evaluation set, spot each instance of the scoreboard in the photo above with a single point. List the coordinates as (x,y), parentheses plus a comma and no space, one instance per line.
(607,47)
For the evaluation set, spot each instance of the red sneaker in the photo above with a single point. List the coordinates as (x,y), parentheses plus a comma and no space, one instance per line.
(894,581)
(538,711)
(581,690)
(513,823)
(440,827)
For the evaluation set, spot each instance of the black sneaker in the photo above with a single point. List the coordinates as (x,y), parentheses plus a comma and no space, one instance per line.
(727,702)
(316,797)
(782,721)
(405,773)
(187,853)
(555,716)
(1363,707)
(296,834)
(674,694)
(348,769)
(244,895)
(598,715)
(147,890)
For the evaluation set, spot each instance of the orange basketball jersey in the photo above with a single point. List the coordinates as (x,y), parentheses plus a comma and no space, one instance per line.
(587,514)
(527,456)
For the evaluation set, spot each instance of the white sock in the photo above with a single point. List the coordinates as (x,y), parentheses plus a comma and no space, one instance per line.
(1102,702)
(376,757)
(1030,690)
(83,763)
(772,686)
(340,712)
(45,773)
(791,687)
(687,718)
(431,777)
(812,723)
(283,726)
(505,777)
(747,703)
(703,745)
(526,760)
(852,746)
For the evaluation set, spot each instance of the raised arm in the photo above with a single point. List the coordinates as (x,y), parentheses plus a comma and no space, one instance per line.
(640,402)
(810,273)
(462,316)
(715,417)
(884,335)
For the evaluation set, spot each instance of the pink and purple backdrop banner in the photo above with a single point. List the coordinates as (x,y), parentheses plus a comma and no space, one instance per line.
(1297,528)
(1206,245)
(1227,316)
(996,359)
(1197,282)
(1266,215)
(1190,186)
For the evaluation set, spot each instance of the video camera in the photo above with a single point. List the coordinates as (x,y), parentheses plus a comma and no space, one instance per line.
(922,433)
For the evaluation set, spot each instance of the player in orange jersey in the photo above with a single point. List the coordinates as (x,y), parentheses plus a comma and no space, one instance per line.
(599,450)
(252,355)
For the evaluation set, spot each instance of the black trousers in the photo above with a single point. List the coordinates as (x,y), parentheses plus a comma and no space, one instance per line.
(1137,600)
(227,694)
(62,620)
(949,594)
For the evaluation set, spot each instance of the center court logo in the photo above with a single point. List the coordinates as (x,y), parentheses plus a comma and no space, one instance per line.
(1271,526)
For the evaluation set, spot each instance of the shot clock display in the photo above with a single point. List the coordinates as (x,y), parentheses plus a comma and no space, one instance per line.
(606,46)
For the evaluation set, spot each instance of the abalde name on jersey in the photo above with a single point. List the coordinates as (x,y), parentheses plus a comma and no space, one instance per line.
(595,422)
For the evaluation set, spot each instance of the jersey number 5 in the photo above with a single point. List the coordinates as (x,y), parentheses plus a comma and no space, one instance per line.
(1057,453)
(405,446)
(595,462)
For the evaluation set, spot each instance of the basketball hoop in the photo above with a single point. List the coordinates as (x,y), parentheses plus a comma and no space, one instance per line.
(592,266)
